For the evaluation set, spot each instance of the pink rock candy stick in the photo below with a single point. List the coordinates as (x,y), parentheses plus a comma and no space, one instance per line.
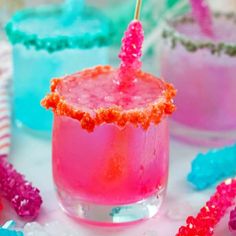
(131,52)
(202,15)
(24,198)
(213,211)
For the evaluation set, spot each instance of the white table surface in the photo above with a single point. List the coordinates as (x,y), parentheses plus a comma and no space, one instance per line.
(32,157)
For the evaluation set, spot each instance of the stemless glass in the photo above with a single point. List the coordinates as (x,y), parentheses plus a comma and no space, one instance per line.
(203,71)
(110,163)
(45,47)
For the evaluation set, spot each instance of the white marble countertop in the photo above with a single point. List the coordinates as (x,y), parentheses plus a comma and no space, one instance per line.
(32,157)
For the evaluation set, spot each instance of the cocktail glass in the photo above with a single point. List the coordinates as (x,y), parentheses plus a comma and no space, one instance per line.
(110,148)
(202,68)
(44,46)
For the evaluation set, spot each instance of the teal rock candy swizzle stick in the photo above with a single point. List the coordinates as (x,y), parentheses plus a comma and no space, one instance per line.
(213,166)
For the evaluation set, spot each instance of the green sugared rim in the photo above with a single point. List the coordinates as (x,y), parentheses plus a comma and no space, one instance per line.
(175,38)
(58,43)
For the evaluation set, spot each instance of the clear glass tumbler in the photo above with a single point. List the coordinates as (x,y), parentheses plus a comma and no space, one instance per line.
(45,47)
(110,150)
(203,71)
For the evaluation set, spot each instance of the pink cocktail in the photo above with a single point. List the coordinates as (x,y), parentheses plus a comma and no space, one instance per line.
(110,138)
(110,148)
(203,70)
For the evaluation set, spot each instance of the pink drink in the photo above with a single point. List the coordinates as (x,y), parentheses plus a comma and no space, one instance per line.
(110,162)
(203,71)
(122,166)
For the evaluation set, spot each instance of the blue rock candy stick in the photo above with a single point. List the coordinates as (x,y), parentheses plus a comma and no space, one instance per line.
(215,165)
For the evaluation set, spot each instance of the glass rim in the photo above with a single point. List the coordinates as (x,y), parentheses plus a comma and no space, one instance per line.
(193,45)
(58,42)
(153,112)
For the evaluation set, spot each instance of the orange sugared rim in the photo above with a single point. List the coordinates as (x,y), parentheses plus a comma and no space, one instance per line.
(152,113)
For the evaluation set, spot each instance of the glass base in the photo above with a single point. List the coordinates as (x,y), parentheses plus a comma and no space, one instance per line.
(110,215)
(202,137)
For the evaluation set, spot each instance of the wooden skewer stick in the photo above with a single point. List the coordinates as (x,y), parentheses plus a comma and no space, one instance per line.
(138,9)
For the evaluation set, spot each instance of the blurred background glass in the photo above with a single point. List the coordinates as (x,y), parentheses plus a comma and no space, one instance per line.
(120,11)
(114,8)
(7,7)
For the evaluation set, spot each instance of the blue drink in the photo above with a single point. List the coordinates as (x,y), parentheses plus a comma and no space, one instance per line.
(44,47)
